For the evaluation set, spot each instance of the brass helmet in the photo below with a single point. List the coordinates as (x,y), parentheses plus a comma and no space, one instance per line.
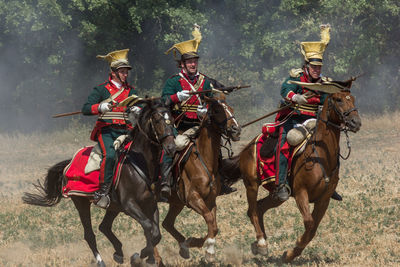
(313,51)
(117,59)
(187,49)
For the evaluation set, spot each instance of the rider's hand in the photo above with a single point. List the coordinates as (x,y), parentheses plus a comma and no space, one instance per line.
(104,107)
(135,110)
(201,111)
(183,95)
(299,99)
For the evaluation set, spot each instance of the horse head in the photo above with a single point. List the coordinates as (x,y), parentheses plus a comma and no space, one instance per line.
(156,123)
(342,111)
(222,117)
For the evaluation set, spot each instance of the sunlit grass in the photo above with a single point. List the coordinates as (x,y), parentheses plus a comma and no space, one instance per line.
(364,229)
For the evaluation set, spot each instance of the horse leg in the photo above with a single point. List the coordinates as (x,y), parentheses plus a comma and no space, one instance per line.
(263,205)
(260,246)
(169,224)
(135,212)
(82,204)
(106,228)
(197,203)
(311,222)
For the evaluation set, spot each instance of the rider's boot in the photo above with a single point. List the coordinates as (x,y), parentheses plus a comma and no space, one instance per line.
(225,189)
(336,196)
(101,197)
(166,176)
(282,192)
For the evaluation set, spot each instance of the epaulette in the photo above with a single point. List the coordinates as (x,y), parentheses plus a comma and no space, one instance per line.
(295,73)
(326,79)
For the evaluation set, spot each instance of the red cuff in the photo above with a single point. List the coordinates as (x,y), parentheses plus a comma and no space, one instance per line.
(314,100)
(95,109)
(290,95)
(174,98)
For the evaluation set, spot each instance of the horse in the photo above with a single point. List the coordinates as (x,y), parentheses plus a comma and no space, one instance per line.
(314,174)
(198,186)
(133,194)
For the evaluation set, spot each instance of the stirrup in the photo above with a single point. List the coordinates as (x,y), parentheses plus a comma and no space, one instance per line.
(282,192)
(103,202)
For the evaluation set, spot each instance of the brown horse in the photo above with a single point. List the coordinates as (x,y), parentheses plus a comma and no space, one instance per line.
(314,175)
(198,186)
(133,195)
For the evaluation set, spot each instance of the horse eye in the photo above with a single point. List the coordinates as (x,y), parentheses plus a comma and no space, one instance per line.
(339,100)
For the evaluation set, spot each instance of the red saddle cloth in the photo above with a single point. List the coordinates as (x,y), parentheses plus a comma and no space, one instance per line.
(267,167)
(80,184)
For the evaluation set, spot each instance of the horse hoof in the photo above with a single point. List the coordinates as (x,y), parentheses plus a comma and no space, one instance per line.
(101,264)
(255,249)
(118,258)
(151,263)
(286,258)
(184,252)
(135,260)
(210,258)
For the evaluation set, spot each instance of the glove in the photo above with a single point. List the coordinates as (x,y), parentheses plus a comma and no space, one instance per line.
(134,113)
(104,107)
(299,99)
(201,111)
(120,139)
(135,110)
(183,95)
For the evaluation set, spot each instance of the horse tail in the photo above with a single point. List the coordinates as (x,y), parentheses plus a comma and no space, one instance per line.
(230,170)
(49,193)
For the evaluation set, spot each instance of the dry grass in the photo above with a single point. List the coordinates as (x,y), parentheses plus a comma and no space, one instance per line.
(364,229)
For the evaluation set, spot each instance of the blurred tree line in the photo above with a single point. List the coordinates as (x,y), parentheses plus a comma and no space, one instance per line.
(48,49)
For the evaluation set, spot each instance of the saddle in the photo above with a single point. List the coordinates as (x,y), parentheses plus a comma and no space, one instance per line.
(81,175)
(266,146)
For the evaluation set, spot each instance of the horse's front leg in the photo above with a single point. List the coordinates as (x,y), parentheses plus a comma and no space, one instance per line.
(197,203)
(311,222)
(175,207)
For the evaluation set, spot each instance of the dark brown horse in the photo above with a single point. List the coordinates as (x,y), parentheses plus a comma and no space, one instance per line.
(133,195)
(314,175)
(199,184)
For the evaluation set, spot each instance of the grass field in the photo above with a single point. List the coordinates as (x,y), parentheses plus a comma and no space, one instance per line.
(362,230)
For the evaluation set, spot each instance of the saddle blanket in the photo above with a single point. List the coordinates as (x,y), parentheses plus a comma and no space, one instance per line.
(79,183)
(267,167)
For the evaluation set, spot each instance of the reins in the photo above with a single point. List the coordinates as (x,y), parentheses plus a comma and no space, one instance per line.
(341,128)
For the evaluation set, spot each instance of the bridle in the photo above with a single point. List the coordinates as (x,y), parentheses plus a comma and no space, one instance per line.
(221,126)
(343,116)
(168,130)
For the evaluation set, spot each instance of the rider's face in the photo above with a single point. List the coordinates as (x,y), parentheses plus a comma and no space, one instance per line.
(122,74)
(191,65)
(315,71)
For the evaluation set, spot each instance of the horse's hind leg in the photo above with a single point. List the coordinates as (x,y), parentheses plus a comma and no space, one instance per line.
(311,222)
(260,246)
(169,224)
(82,204)
(106,228)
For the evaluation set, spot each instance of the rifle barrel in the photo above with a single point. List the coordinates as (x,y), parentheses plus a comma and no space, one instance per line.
(66,114)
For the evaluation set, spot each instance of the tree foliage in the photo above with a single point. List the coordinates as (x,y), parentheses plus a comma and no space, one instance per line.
(49,48)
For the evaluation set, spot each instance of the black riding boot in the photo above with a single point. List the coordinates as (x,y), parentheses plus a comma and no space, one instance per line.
(101,197)
(166,177)
(336,196)
(225,189)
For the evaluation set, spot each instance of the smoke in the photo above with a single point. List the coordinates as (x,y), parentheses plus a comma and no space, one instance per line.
(50,71)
